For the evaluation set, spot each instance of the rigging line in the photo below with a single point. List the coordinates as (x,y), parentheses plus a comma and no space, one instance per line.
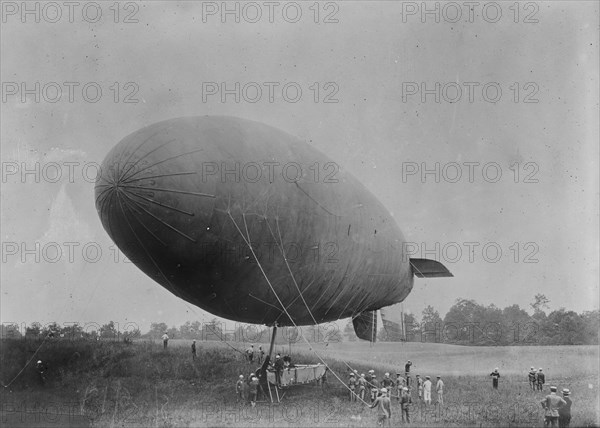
(126,180)
(123,178)
(161,204)
(148,177)
(262,301)
(249,244)
(282,250)
(160,189)
(131,210)
(157,218)
(137,148)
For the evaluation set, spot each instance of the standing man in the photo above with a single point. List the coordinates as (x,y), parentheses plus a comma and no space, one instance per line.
(374,387)
(531,377)
(352,385)
(362,386)
(250,353)
(540,379)
(420,387)
(387,383)
(564,412)
(253,391)
(165,339)
(384,408)
(495,376)
(278,366)
(193,349)
(551,403)
(261,354)
(405,402)
(399,385)
(440,390)
(239,388)
(407,373)
(427,390)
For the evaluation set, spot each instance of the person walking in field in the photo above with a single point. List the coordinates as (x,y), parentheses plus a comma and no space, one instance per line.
(407,372)
(551,404)
(427,390)
(564,412)
(165,339)
(261,354)
(439,388)
(362,386)
(540,379)
(193,349)
(420,387)
(239,389)
(405,402)
(495,377)
(531,377)
(250,353)
(384,408)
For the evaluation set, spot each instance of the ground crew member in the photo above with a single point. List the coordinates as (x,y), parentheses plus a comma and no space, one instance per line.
(362,385)
(420,386)
(261,354)
(239,388)
(41,369)
(250,353)
(399,385)
(384,408)
(352,386)
(551,403)
(439,388)
(193,349)
(495,376)
(540,379)
(387,383)
(407,372)
(165,339)
(531,377)
(427,390)
(405,402)
(369,376)
(253,390)
(374,387)
(278,366)
(564,412)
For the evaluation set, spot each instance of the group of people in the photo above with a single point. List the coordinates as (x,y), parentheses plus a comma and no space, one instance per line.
(247,389)
(250,354)
(536,379)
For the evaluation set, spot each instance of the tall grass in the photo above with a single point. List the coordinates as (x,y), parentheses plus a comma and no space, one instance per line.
(115,384)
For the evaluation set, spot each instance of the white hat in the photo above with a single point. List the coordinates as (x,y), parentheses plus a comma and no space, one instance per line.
(565,391)
(387,374)
(362,375)
(241,376)
(254,378)
(540,369)
(405,389)
(383,390)
(39,362)
(371,371)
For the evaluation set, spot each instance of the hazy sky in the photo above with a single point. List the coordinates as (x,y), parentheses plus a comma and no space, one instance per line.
(375,61)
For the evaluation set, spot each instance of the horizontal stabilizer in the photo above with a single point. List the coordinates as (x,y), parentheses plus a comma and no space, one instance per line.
(425,268)
(365,326)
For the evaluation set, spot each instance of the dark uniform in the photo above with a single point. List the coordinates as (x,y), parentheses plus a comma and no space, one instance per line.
(405,402)
(564,412)
(194,350)
(278,366)
(540,380)
(531,377)
(495,376)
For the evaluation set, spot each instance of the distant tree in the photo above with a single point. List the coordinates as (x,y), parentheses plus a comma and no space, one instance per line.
(157,330)
(34,330)
(517,326)
(349,331)
(591,322)
(109,331)
(431,324)
(412,327)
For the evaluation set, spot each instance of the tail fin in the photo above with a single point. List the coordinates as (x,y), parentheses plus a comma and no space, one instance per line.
(425,268)
(365,326)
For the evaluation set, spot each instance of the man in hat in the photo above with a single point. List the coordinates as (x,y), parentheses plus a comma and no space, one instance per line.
(368,376)
(427,390)
(420,386)
(439,388)
(531,377)
(250,353)
(384,408)
(374,387)
(165,339)
(278,366)
(261,354)
(239,388)
(407,372)
(352,385)
(193,349)
(362,386)
(564,412)
(551,403)
(387,383)
(253,390)
(399,385)
(540,379)
(41,369)
(405,402)
(495,377)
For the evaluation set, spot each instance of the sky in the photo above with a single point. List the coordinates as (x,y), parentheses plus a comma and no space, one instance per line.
(506,97)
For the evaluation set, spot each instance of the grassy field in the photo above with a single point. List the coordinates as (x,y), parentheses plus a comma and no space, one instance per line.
(140,384)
